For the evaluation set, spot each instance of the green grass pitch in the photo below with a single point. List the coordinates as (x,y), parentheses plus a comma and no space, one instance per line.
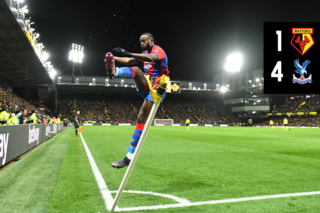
(202,164)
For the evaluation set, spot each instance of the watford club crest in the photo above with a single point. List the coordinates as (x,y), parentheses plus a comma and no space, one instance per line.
(302,39)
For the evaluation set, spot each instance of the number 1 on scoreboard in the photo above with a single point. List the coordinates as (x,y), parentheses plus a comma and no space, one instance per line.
(276,72)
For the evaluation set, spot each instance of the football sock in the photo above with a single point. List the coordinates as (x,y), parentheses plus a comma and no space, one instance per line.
(126,72)
(76,132)
(135,140)
(129,155)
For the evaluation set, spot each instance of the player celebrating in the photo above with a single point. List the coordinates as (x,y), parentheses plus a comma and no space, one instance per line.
(76,122)
(187,123)
(272,124)
(155,64)
(285,124)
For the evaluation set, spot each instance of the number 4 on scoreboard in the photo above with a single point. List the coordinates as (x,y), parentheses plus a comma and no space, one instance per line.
(276,72)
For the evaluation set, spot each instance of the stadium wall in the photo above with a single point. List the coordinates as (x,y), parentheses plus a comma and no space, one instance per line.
(16,140)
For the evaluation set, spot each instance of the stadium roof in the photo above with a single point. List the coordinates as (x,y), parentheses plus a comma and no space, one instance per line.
(19,64)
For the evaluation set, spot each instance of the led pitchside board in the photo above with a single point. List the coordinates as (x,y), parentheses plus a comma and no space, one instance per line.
(291,52)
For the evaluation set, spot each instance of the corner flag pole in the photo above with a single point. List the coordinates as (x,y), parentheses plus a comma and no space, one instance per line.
(157,97)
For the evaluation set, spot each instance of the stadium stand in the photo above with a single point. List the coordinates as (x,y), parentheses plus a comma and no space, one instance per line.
(119,111)
(300,105)
(12,103)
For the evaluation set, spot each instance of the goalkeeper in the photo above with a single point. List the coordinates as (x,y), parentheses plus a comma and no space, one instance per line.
(155,64)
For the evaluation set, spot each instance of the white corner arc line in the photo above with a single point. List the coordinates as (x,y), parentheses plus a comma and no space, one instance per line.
(231,200)
(106,194)
(175,198)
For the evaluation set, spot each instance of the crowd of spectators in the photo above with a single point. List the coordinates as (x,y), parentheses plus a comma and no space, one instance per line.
(98,110)
(294,121)
(113,110)
(119,110)
(299,105)
(14,110)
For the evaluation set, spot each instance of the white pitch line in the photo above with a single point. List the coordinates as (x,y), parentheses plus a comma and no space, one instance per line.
(106,194)
(172,197)
(231,200)
(291,137)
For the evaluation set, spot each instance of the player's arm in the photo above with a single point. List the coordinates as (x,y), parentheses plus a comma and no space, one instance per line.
(140,56)
(145,57)
(125,60)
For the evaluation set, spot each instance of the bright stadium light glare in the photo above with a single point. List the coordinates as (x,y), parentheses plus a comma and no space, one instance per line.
(234,62)
(223,89)
(44,56)
(53,72)
(250,81)
(24,9)
(76,53)
(257,79)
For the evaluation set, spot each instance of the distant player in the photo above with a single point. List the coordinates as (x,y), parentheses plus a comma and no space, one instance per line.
(76,122)
(285,124)
(187,123)
(155,64)
(272,124)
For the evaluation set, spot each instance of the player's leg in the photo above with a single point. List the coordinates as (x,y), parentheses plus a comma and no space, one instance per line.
(141,121)
(125,72)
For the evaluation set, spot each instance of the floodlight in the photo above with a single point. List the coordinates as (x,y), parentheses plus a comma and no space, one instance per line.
(76,53)
(250,81)
(223,89)
(257,79)
(234,62)
(44,56)
(24,9)
(37,35)
(53,72)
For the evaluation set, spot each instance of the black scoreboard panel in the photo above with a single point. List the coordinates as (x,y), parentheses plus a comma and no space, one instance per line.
(291,57)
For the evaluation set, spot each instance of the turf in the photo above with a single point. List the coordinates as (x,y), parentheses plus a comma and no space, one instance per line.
(202,164)
(27,185)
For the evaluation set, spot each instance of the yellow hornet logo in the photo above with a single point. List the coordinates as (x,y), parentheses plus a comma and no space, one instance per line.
(302,39)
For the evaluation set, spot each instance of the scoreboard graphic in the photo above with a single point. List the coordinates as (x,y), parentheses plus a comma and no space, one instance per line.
(291,57)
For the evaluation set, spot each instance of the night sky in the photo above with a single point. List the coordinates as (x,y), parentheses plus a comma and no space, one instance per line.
(197,35)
